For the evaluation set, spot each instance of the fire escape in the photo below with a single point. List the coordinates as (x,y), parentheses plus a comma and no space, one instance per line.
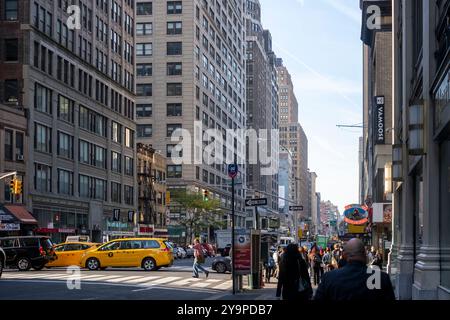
(147,193)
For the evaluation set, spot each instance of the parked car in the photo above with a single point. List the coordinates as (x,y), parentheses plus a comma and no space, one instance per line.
(147,253)
(28,252)
(175,252)
(189,252)
(221,264)
(2,261)
(69,253)
(181,253)
(225,252)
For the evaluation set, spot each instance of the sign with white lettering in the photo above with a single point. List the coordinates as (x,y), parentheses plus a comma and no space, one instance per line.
(379,116)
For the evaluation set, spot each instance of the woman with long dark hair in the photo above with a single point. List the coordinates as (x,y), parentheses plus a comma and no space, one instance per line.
(293,282)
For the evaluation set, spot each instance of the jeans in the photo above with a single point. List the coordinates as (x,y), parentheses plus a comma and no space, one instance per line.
(196,267)
(317,273)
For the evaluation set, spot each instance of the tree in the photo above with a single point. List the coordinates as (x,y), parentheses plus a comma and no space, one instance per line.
(200,213)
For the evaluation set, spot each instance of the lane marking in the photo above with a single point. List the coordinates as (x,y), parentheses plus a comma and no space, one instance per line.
(124,279)
(163,280)
(226,285)
(142,279)
(206,283)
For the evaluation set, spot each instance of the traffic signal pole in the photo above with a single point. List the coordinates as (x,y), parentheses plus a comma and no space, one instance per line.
(233,251)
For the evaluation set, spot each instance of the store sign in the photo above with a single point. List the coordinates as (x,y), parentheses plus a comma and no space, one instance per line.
(9,226)
(146,230)
(66,230)
(356,214)
(379,116)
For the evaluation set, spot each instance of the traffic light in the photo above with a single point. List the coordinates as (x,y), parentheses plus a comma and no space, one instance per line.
(18,187)
(205,195)
(12,186)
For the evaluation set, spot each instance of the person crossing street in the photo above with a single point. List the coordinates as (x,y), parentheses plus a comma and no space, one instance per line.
(199,259)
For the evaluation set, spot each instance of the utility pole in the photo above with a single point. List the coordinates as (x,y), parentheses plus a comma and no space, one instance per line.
(232,173)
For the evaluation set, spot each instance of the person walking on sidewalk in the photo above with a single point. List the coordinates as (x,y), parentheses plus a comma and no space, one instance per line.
(327,260)
(316,261)
(199,259)
(276,258)
(351,281)
(293,282)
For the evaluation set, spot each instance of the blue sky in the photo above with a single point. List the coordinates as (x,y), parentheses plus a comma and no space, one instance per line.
(319,41)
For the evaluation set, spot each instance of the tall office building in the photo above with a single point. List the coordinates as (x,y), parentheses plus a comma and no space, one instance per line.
(74,84)
(262,104)
(190,67)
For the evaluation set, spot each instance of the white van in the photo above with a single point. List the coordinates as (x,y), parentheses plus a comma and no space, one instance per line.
(286,240)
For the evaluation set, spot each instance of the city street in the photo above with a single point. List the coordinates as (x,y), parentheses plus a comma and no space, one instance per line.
(174,283)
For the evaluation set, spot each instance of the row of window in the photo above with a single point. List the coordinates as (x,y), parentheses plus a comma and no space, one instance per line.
(172,89)
(146,69)
(146,8)
(146,49)
(145,110)
(146,130)
(88,187)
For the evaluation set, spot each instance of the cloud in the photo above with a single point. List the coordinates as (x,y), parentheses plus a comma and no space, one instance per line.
(314,83)
(326,146)
(350,12)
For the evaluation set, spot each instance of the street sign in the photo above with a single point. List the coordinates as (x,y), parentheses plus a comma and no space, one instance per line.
(256,202)
(295,208)
(233,170)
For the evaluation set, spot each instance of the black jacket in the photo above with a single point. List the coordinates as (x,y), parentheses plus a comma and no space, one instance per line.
(350,283)
(289,275)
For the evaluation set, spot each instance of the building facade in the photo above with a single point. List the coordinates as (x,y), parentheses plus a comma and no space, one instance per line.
(73,75)
(420,256)
(190,74)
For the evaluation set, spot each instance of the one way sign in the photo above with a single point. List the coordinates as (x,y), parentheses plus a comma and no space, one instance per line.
(295,208)
(256,202)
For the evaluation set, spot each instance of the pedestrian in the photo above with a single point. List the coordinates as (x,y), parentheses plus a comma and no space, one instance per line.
(351,281)
(371,255)
(199,259)
(326,259)
(316,261)
(269,268)
(377,260)
(276,258)
(293,282)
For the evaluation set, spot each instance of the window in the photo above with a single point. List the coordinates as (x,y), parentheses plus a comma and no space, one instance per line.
(174,7)
(143,8)
(19,143)
(174,48)
(11,91)
(144,90)
(92,121)
(129,195)
(144,28)
(84,153)
(65,145)
(42,98)
(174,27)
(100,157)
(11,50)
(129,166)
(116,192)
(116,162)
(8,145)
(174,171)
(42,138)
(84,186)
(11,9)
(174,89)
(174,68)
(174,151)
(65,109)
(205,176)
(144,49)
(174,109)
(172,127)
(43,178)
(65,182)
(144,69)
(116,132)
(143,110)
(129,138)
(144,131)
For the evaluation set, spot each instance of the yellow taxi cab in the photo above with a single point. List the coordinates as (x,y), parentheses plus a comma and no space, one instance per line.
(69,253)
(147,253)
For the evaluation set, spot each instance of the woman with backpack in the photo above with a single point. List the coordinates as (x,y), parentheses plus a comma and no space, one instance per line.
(293,282)
(316,262)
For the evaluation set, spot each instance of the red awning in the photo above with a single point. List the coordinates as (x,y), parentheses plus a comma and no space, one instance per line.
(21,213)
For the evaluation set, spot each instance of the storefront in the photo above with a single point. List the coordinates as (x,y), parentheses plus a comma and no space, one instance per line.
(15,220)
(117,230)
(58,235)
(177,234)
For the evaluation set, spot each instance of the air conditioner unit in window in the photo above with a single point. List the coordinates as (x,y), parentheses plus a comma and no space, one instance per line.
(20,157)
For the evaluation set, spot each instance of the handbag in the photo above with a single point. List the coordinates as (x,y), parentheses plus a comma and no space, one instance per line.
(303,286)
(201,259)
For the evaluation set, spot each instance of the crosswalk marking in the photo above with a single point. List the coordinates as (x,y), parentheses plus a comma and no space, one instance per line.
(142,279)
(205,284)
(164,280)
(138,280)
(123,279)
(224,285)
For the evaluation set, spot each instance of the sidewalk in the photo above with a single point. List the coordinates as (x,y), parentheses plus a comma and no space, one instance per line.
(267,293)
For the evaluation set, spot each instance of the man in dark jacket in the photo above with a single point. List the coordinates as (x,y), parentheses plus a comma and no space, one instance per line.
(352,281)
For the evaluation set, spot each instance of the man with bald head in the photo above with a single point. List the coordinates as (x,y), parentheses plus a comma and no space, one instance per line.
(355,281)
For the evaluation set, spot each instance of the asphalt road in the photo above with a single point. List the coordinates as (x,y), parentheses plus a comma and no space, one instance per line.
(173,283)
